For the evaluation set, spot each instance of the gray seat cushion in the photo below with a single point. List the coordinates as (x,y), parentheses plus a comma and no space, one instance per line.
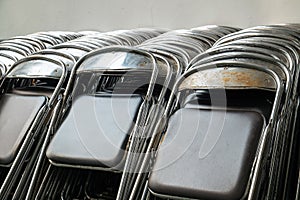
(17,113)
(207,154)
(95,132)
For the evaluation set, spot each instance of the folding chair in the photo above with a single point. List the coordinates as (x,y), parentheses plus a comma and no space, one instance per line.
(33,85)
(112,156)
(61,52)
(191,126)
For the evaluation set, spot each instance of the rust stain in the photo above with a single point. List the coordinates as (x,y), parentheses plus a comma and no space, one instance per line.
(241,77)
(226,79)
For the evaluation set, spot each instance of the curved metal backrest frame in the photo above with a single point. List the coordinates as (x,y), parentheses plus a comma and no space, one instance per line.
(68,59)
(273,65)
(44,58)
(111,39)
(72,46)
(220,28)
(58,39)
(251,45)
(287,45)
(169,48)
(287,50)
(45,38)
(21,48)
(128,39)
(14,49)
(281,56)
(89,42)
(212,31)
(226,64)
(202,39)
(40,45)
(3,69)
(266,42)
(276,29)
(98,40)
(167,78)
(179,69)
(109,49)
(243,52)
(206,34)
(251,56)
(58,53)
(83,43)
(169,38)
(244,34)
(284,43)
(19,44)
(13,58)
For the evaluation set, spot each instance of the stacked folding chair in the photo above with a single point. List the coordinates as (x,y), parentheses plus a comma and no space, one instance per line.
(13,49)
(23,99)
(30,91)
(230,132)
(186,44)
(69,53)
(33,92)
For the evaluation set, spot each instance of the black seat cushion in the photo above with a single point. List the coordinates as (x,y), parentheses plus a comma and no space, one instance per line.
(207,154)
(17,113)
(95,132)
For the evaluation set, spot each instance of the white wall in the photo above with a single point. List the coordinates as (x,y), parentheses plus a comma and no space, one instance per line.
(19,17)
